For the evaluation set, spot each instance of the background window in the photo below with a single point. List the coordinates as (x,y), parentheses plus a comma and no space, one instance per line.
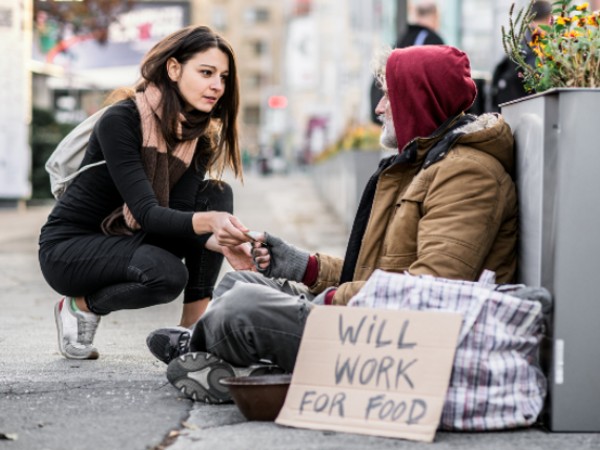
(256,15)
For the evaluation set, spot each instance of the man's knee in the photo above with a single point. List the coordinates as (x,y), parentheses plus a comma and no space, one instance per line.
(231,278)
(242,299)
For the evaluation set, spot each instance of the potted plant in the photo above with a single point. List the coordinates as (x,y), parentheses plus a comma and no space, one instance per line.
(567,49)
(558,155)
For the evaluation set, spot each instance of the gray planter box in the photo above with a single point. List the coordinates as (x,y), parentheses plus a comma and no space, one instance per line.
(558,179)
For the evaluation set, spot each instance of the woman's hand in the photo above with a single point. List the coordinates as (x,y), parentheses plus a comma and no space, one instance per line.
(239,257)
(226,228)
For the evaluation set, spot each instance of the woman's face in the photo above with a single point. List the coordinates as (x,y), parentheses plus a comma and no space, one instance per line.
(201,80)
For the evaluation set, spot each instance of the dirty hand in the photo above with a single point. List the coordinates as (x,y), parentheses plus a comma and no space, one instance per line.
(260,255)
(279,259)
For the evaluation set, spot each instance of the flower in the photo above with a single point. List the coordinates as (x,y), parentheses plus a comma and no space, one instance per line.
(355,137)
(566,51)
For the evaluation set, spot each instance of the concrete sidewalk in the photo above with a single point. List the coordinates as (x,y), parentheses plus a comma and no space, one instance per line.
(122,400)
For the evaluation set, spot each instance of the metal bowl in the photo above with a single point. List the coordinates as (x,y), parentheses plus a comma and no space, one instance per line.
(258,397)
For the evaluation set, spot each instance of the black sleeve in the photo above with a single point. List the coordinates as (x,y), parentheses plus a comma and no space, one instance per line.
(120,141)
(180,197)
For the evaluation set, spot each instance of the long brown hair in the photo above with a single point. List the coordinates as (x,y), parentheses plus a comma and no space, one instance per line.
(217,128)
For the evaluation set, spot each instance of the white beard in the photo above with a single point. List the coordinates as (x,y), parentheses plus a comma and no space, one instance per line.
(388,135)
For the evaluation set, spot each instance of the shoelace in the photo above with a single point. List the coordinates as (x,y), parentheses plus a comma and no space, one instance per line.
(86,329)
(183,345)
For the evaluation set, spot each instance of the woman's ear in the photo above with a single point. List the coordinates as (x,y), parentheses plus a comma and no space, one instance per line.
(173,69)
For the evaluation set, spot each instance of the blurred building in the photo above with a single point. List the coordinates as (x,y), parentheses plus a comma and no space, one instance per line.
(304,65)
(256,31)
(329,52)
(15,100)
(73,69)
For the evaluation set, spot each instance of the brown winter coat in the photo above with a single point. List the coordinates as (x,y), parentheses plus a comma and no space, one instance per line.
(453,219)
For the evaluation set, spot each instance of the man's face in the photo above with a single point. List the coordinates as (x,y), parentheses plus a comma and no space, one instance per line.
(388,133)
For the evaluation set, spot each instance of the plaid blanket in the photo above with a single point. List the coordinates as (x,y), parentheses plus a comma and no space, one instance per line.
(496,382)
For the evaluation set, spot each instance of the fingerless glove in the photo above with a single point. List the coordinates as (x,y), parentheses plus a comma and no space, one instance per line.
(287,261)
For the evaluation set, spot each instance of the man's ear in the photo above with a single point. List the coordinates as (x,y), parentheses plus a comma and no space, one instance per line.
(173,69)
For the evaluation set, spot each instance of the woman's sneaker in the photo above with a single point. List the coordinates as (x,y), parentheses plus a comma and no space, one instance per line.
(167,344)
(76,330)
(197,376)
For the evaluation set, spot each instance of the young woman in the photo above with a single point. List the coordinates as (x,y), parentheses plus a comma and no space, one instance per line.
(117,237)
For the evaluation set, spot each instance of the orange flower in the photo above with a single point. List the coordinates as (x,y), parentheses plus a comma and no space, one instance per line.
(570,42)
(592,20)
(536,35)
(537,51)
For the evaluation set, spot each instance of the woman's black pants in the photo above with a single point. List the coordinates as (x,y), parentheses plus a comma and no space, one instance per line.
(130,272)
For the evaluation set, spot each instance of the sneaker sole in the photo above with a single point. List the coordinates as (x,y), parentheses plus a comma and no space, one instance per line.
(197,376)
(61,346)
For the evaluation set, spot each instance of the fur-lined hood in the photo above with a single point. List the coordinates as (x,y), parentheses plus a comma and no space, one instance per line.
(489,133)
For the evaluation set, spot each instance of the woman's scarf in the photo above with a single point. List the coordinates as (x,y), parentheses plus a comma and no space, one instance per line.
(162,167)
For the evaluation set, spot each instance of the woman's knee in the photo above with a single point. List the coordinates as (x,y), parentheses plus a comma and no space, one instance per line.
(163,273)
(175,281)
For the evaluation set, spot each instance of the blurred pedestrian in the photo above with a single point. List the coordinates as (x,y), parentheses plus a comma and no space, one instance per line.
(422,30)
(443,205)
(507,83)
(116,238)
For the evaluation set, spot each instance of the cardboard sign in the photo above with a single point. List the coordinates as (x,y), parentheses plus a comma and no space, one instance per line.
(372,371)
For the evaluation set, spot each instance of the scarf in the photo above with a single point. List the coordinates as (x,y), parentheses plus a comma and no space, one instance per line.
(162,167)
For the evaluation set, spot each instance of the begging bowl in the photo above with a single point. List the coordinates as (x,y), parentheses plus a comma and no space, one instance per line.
(259,397)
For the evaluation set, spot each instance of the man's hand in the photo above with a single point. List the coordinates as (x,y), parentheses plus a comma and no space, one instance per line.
(260,253)
(279,259)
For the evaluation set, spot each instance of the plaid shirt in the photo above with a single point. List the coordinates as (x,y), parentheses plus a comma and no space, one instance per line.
(496,381)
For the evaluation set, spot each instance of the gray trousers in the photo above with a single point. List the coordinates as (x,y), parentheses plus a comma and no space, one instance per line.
(252,318)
